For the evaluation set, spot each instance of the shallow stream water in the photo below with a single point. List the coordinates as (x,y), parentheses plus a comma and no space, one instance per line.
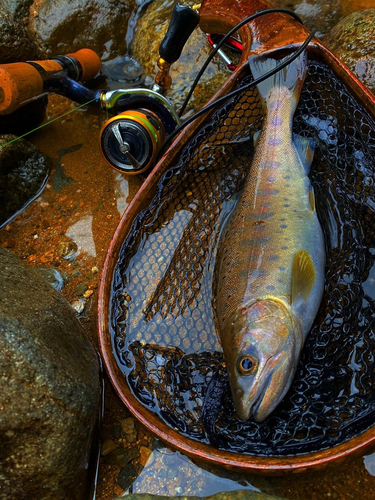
(80,209)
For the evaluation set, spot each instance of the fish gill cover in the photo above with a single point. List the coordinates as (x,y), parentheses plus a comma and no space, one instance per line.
(162,317)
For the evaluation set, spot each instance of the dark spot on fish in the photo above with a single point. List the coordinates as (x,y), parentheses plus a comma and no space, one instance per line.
(265,204)
(287,177)
(286,205)
(286,239)
(284,248)
(273,257)
(286,199)
(271,179)
(271,164)
(283,226)
(277,121)
(276,104)
(270,287)
(267,192)
(258,273)
(281,268)
(274,141)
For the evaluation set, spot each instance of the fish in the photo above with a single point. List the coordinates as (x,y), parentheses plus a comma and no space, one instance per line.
(270,266)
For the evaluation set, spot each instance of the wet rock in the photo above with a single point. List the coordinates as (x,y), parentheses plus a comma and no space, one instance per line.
(149,33)
(23,175)
(353,41)
(50,390)
(315,14)
(226,495)
(67,250)
(145,454)
(58,279)
(127,476)
(129,430)
(107,447)
(122,456)
(81,289)
(79,306)
(15,45)
(64,26)
(18,7)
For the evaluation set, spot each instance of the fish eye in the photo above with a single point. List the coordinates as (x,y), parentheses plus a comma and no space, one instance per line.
(247,365)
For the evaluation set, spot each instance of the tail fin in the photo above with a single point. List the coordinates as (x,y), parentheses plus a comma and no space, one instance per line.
(291,77)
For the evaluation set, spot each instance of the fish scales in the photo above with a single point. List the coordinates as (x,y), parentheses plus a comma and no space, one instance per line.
(271,256)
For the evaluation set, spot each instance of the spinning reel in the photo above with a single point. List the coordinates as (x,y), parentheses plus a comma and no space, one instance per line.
(144,121)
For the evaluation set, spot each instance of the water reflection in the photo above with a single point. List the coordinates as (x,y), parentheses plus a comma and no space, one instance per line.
(171,473)
(369,463)
(369,284)
(81,234)
(121,192)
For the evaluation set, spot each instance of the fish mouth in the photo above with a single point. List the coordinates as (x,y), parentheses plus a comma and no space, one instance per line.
(263,403)
(275,386)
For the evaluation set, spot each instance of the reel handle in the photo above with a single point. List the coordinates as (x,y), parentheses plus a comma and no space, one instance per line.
(24,81)
(183,22)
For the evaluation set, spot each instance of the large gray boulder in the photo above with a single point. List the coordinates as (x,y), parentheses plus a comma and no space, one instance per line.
(23,173)
(64,26)
(15,44)
(353,41)
(49,390)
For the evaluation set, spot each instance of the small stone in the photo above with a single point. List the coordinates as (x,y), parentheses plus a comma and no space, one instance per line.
(145,454)
(78,306)
(81,289)
(88,293)
(94,270)
(122,456)
(67,250)
(129,430)
(116,431)
(128,425)
(76,273)
(107,446)
(127,476)
(56,278)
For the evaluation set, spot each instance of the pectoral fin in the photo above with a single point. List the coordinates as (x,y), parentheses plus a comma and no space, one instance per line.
(312,199)
(303,277)
(305,148)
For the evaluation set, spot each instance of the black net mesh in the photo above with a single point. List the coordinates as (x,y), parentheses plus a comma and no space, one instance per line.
(161,318)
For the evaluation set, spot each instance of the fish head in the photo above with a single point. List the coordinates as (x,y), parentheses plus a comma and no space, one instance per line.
(266,344)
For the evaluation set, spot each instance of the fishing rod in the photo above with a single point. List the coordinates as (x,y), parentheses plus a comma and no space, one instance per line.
(145,121)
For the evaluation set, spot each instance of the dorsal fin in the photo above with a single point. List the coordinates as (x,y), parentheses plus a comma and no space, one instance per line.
(303,277)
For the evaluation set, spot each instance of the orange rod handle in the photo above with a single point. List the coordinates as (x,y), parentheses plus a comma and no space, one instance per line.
(21,82)
(89,61)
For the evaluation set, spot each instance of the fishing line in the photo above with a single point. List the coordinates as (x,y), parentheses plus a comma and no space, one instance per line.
(47,123)
(224,39)
(235,93)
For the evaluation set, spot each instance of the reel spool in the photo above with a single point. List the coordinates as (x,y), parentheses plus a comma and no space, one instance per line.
(130,141)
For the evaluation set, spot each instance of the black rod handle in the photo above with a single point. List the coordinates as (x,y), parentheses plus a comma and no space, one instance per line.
(183,22)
